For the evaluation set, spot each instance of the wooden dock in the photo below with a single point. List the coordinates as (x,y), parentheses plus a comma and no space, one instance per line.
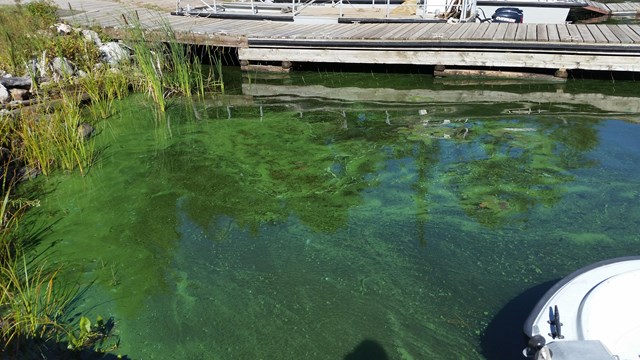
(618,9)
(600,47)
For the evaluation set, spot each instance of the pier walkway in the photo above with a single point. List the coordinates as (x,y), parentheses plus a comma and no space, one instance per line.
(601,47)
(618,9)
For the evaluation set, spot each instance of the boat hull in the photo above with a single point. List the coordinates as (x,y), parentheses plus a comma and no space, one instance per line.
(532,14)
(596,303)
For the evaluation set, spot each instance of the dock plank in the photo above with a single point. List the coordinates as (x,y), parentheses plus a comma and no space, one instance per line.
(585,33)
(510,34)
(363,29)
(635,28)
(457,34)
(611,37)
(99,17)
(574,33)
(429,32)
(375,32)
(473,31)
(490,33)
(625,6)
(275,29)
(294,31)
(499,35)
(597,34)
(635,38)
(448,30)
(521,32)
(633,6)
(182,22)
(553,33)
(401,31)
(227,26)
(531,33)
(563,32)
(541,32)
(244,27)
(410,31)
(329,31)
(614,7)
(620,34)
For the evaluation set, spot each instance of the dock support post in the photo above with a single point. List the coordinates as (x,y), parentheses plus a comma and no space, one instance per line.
(561,73)
(438,70)
(285,67)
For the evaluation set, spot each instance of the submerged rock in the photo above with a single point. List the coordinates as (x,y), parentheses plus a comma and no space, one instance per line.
(28,172)
(85,130)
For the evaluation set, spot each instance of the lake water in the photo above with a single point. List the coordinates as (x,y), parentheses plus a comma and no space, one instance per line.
(346,216)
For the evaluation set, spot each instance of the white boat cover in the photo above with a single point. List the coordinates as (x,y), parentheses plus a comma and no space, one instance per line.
(600,302)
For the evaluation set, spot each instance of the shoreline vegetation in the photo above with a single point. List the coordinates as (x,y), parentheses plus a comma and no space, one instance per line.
(56,84)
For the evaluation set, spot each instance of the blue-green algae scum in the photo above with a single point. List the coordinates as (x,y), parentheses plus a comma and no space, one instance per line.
(327,216)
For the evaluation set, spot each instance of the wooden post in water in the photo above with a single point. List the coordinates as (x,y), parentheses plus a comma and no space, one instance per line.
(561,73)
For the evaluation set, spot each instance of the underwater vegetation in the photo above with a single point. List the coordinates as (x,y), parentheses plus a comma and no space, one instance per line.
(237,226)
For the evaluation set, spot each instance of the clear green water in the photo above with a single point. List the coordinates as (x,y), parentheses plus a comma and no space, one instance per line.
(321,216)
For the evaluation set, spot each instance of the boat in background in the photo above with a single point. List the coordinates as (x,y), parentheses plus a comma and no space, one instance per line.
(405,11)
(534,11)
(600,315)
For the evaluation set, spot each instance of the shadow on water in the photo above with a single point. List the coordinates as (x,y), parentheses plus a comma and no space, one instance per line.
(504,337)
(368,350)
(50,349)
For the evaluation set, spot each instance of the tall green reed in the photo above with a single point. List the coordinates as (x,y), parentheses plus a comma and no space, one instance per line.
(148,58)
(103,86)
(30,307)
(168,66)
(51,141)
(33,308)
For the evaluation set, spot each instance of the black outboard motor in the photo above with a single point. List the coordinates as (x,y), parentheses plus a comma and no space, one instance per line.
(507,15)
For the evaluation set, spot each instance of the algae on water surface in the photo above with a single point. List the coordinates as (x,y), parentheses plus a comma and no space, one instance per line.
(300,229)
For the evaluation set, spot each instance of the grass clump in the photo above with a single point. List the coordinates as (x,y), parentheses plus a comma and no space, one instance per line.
(26,32)
(29,307)
(167,66)
(21,32)
(33,308)
(44,10)
(33,303)
(52,141)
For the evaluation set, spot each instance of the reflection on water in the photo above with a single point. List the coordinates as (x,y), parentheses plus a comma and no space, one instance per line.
(331,216)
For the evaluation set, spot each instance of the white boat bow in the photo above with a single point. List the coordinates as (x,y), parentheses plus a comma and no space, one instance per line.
(594,313)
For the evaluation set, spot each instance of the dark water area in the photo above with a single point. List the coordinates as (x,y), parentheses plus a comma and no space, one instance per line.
(346,216)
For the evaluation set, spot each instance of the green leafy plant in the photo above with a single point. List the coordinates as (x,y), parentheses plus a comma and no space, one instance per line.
(92,336)
(74,47)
